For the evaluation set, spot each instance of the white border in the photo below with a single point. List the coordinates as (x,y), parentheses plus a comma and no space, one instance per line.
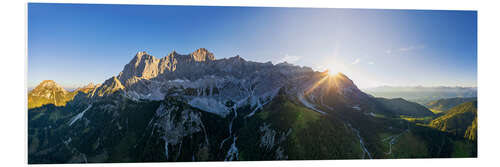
(13,68)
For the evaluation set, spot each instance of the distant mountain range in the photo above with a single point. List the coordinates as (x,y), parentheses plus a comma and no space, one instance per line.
(405,108)
(422,95)
(194,107)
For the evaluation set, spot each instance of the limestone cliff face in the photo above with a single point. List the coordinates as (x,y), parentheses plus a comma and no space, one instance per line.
(108,87)
(146,76)
(142,66)
(145,66)
(202,54)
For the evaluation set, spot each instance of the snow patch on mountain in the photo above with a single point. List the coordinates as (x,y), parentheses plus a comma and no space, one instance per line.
(301,98)
(79,115)
(209,105)
(356,107)
(178,81)
(266,98)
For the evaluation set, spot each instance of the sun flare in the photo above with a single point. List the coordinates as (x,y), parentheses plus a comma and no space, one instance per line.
(331,71)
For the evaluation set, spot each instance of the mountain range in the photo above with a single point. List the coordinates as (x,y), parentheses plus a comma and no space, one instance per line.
(194,107)
(421,94)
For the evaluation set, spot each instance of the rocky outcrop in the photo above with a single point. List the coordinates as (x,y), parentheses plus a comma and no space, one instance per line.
(142,66)
(145,66)
(202,54)
(109,86)
(88,88)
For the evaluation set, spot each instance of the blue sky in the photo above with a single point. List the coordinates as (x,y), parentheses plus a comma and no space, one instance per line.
(77,44)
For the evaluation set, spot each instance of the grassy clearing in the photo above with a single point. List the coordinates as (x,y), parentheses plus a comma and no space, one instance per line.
(284,113)
(435,111)
(416,119)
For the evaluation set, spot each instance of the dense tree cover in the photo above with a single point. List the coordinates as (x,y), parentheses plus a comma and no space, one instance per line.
(121,130)
(442,105)
(460,120)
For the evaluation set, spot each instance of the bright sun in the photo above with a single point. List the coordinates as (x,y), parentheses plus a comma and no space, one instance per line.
(331,71)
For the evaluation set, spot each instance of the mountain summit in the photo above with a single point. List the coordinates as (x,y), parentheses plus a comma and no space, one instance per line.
(48,92)
(145,66)
(202,54)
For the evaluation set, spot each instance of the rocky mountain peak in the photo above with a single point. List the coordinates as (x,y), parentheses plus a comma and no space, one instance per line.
(173,53)
(113,81)
(141,57)
(109,86)
(236,59)
(285,63)
(142,65)
(87,88)
(140,54)
(46,83)
(90,85)
(344,79)
(48,92)
(202,54)
(49,85)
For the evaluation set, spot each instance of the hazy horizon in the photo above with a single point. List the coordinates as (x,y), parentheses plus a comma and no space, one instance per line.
(75,44)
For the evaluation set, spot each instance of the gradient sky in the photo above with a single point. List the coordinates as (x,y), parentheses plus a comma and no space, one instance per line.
(77,44)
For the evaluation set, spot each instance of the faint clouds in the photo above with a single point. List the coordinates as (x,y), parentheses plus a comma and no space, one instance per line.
(405,49)
(411,48)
